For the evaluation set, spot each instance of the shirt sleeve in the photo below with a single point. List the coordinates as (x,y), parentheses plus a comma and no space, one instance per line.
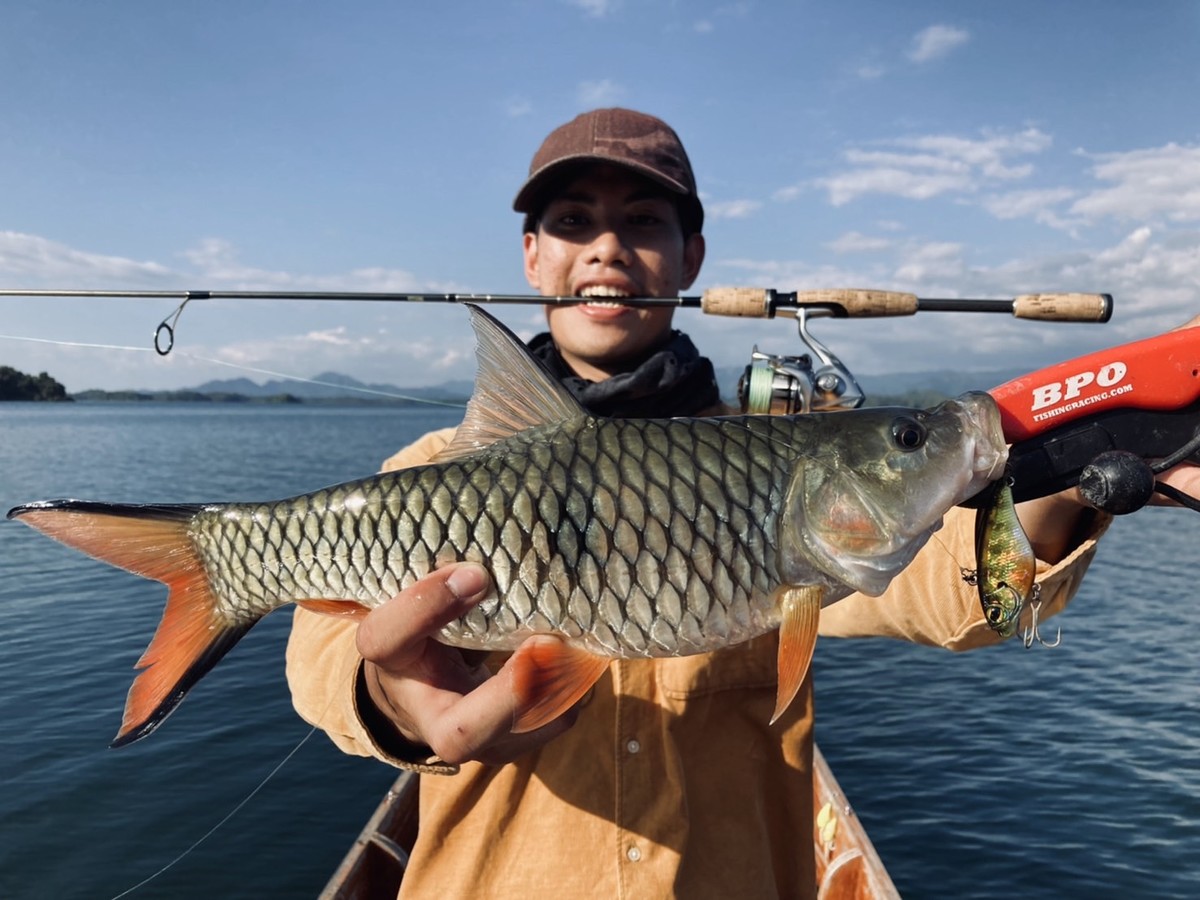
(323,660)
(931,603)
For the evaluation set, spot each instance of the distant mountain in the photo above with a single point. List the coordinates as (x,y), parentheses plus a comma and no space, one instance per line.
(333,385)
(946,381)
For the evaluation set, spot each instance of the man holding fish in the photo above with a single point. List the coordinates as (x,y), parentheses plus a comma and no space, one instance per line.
(670,776)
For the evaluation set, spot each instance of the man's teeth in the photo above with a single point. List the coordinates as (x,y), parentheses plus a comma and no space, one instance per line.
(602,291)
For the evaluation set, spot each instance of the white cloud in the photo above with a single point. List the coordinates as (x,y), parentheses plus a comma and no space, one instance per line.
(1035,204)
(732,209)
(45,263)
(927,166)
(1155,183)
(935,262)
(515,107)
(216,260)
(935,42)
(856,242)
(703,26)
(1043,206)
(870,71)
(32,257)
(596,9)
(599,93)
(790,192)
(895,181)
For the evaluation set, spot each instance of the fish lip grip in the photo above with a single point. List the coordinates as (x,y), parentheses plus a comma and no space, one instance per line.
(1141,398)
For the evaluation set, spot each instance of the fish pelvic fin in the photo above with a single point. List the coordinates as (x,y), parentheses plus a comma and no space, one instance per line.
(548,677)
(346,609)
(800,611)
(513,391)
(151,541)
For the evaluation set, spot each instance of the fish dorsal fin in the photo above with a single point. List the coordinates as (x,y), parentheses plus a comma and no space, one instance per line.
(513,391)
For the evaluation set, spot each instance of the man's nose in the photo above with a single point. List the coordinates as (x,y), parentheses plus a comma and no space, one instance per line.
(610,246)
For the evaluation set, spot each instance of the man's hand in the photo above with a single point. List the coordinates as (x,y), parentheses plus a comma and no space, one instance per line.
(431,693)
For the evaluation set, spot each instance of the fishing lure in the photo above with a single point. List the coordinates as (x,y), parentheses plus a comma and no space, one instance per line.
(1006,562)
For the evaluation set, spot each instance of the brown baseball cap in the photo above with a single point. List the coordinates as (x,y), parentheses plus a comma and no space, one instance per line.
(622,137)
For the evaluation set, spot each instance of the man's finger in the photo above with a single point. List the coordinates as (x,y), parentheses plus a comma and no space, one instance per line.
(392,635)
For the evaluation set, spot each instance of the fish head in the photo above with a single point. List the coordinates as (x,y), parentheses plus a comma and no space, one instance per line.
(877,483)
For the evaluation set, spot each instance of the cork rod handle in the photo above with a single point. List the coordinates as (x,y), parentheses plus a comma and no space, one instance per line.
(1064,307)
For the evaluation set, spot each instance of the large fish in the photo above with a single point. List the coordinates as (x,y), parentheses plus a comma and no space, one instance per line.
(619,537)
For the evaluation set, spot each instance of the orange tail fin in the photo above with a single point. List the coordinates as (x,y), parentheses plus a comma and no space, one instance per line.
(151,541)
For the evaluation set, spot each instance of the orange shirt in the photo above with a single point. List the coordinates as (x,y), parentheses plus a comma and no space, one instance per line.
(671,783)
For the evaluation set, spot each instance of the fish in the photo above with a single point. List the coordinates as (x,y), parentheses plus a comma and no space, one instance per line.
(610,538)
(1006,562)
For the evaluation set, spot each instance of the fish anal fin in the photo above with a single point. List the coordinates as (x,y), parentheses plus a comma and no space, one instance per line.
(350,609)
(548,677)
(513,391)
(799,612)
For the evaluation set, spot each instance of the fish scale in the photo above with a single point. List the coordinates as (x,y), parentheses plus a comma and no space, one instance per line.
(618,537)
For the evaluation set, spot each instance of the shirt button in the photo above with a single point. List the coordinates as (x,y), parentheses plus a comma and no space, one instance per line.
(633,746)
(634,854)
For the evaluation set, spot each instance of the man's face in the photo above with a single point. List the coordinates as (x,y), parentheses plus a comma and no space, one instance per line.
(610,234)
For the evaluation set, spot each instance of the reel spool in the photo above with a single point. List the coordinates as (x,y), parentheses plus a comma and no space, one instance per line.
(787,385)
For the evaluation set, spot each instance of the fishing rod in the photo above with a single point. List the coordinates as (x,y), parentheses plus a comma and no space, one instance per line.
(770,384)
(722,301)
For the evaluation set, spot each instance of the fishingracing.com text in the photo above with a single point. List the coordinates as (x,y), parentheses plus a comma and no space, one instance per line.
(1082,402)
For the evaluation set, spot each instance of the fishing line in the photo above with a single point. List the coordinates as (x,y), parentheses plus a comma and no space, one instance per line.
(241,367)
(233,812)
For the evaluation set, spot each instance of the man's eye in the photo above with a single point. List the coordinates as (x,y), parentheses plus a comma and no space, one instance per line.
(645,220)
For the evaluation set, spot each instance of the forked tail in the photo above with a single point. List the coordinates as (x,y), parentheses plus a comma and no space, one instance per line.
(151,541)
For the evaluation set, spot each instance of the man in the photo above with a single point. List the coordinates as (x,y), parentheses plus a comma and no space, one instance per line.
(667,779)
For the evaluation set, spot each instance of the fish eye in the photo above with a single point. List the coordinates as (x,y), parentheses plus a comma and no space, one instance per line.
(994,614)
(909,434)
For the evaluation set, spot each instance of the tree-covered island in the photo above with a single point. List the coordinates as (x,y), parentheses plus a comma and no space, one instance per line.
(17,385)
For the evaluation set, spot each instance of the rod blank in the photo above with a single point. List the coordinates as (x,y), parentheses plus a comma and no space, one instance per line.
(731,301)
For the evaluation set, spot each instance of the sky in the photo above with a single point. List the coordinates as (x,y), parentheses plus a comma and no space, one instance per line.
(944,148)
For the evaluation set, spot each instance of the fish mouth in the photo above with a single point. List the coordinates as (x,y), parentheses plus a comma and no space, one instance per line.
(983,418)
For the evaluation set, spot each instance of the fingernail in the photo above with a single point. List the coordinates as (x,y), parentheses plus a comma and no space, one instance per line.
(467,580)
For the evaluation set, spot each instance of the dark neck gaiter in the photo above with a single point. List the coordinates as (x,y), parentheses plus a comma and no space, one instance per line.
(674,381)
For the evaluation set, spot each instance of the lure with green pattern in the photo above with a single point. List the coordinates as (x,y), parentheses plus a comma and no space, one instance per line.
(1007,564)
(614,537)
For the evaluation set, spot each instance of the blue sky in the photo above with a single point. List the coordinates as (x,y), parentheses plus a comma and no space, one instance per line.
(945,148)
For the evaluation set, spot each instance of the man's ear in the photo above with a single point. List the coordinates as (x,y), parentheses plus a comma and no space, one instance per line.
(693,258)
(529,247)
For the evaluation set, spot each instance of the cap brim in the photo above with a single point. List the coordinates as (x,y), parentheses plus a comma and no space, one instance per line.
(530,197)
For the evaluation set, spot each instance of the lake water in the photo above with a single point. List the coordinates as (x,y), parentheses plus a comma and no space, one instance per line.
(999,773)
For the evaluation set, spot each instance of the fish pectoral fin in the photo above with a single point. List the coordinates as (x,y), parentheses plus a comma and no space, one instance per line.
(548,677)
(350,609)
(799,612)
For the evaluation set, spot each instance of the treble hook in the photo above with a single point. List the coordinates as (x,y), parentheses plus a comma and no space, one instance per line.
(1031,633)
(167,325)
